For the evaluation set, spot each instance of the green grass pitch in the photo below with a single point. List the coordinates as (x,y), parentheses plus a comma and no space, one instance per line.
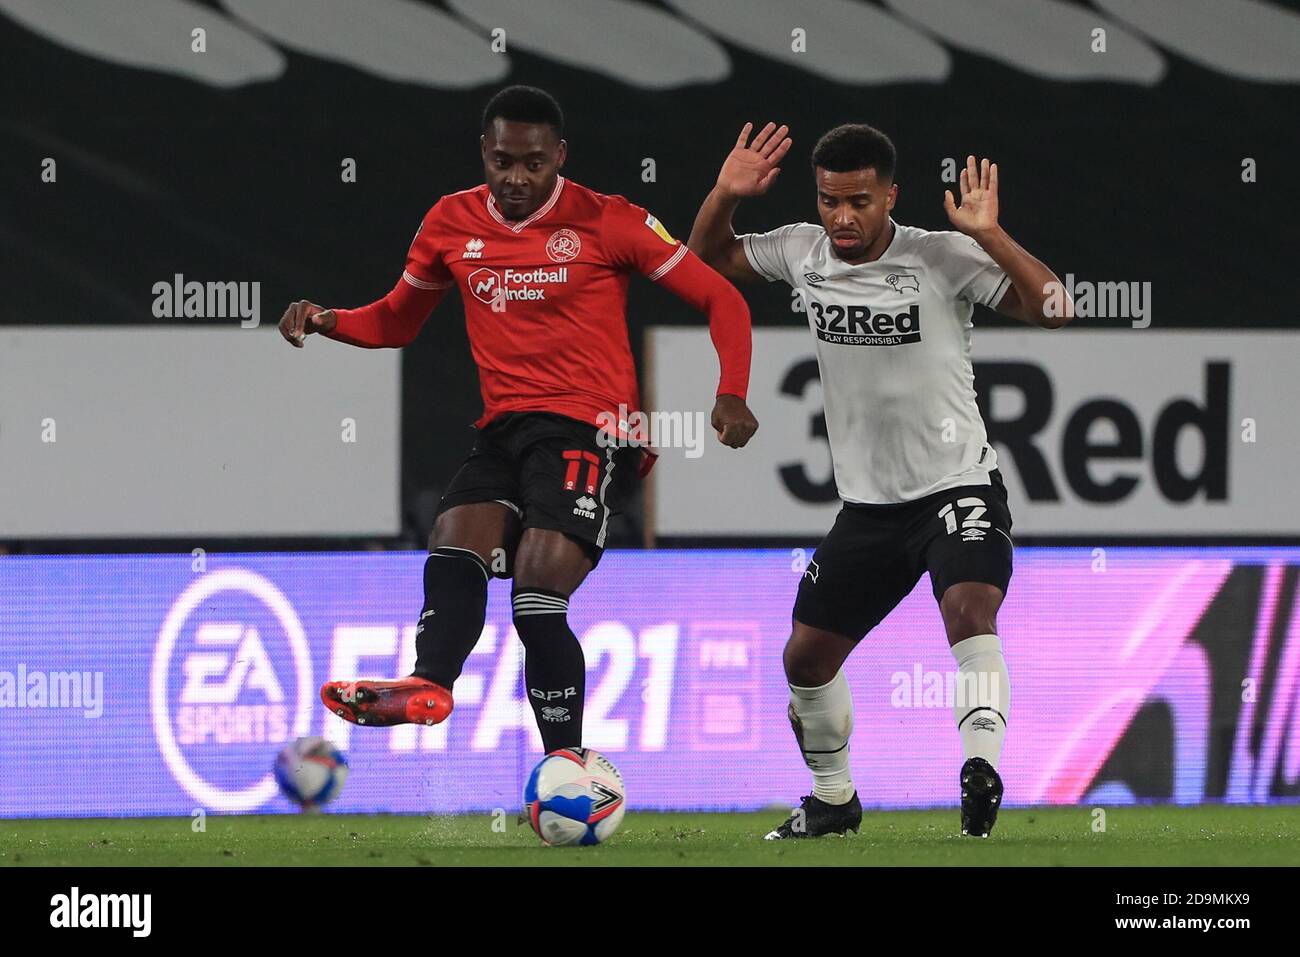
(1206,835)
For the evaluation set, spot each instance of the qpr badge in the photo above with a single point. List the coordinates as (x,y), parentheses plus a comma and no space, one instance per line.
(563,246)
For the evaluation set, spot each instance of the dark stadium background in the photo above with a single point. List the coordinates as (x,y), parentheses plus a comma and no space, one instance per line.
(161,175)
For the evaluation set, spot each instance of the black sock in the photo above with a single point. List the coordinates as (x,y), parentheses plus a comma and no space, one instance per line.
(455,603)
(554,668)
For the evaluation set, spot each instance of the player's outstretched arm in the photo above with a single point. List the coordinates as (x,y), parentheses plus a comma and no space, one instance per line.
(1036,295)
(749,169)
(389,323)
(729,328)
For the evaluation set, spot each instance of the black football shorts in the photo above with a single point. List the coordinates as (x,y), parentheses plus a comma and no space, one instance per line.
(875,554)
(552,472)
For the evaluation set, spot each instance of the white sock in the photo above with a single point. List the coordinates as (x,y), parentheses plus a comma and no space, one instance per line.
(822,719)
(983,697)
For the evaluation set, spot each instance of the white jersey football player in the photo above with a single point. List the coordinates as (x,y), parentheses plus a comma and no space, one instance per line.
(890,308)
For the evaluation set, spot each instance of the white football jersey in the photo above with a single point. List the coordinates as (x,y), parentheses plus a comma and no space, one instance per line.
(893,346)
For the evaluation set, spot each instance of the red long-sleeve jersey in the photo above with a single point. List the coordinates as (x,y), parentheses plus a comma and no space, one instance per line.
(545,299)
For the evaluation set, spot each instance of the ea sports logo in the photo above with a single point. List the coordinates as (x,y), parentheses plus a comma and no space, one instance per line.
(563,246)
(485,285)
(231,681)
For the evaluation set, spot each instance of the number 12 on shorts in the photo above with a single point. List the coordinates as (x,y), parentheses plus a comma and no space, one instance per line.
(973,520)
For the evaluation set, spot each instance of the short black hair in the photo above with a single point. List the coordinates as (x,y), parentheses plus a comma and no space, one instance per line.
(524,104)
(856,146)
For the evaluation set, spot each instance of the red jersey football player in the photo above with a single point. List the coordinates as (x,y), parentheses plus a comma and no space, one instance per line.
(542,265)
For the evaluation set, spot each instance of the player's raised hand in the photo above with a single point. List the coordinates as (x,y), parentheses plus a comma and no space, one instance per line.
(979,198)
(733,421)
(750,168)
(302,318)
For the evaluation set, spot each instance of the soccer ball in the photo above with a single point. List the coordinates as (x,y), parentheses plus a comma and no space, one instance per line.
(574,796)
(311,771)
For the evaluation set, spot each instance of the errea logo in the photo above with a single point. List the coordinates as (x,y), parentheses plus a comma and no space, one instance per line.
(474,249)
(585,506)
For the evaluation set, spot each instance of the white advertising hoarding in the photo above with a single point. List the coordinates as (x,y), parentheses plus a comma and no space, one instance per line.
(1116,432)
(152,431)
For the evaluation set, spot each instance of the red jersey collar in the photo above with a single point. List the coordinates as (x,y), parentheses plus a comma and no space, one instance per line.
(536,215)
